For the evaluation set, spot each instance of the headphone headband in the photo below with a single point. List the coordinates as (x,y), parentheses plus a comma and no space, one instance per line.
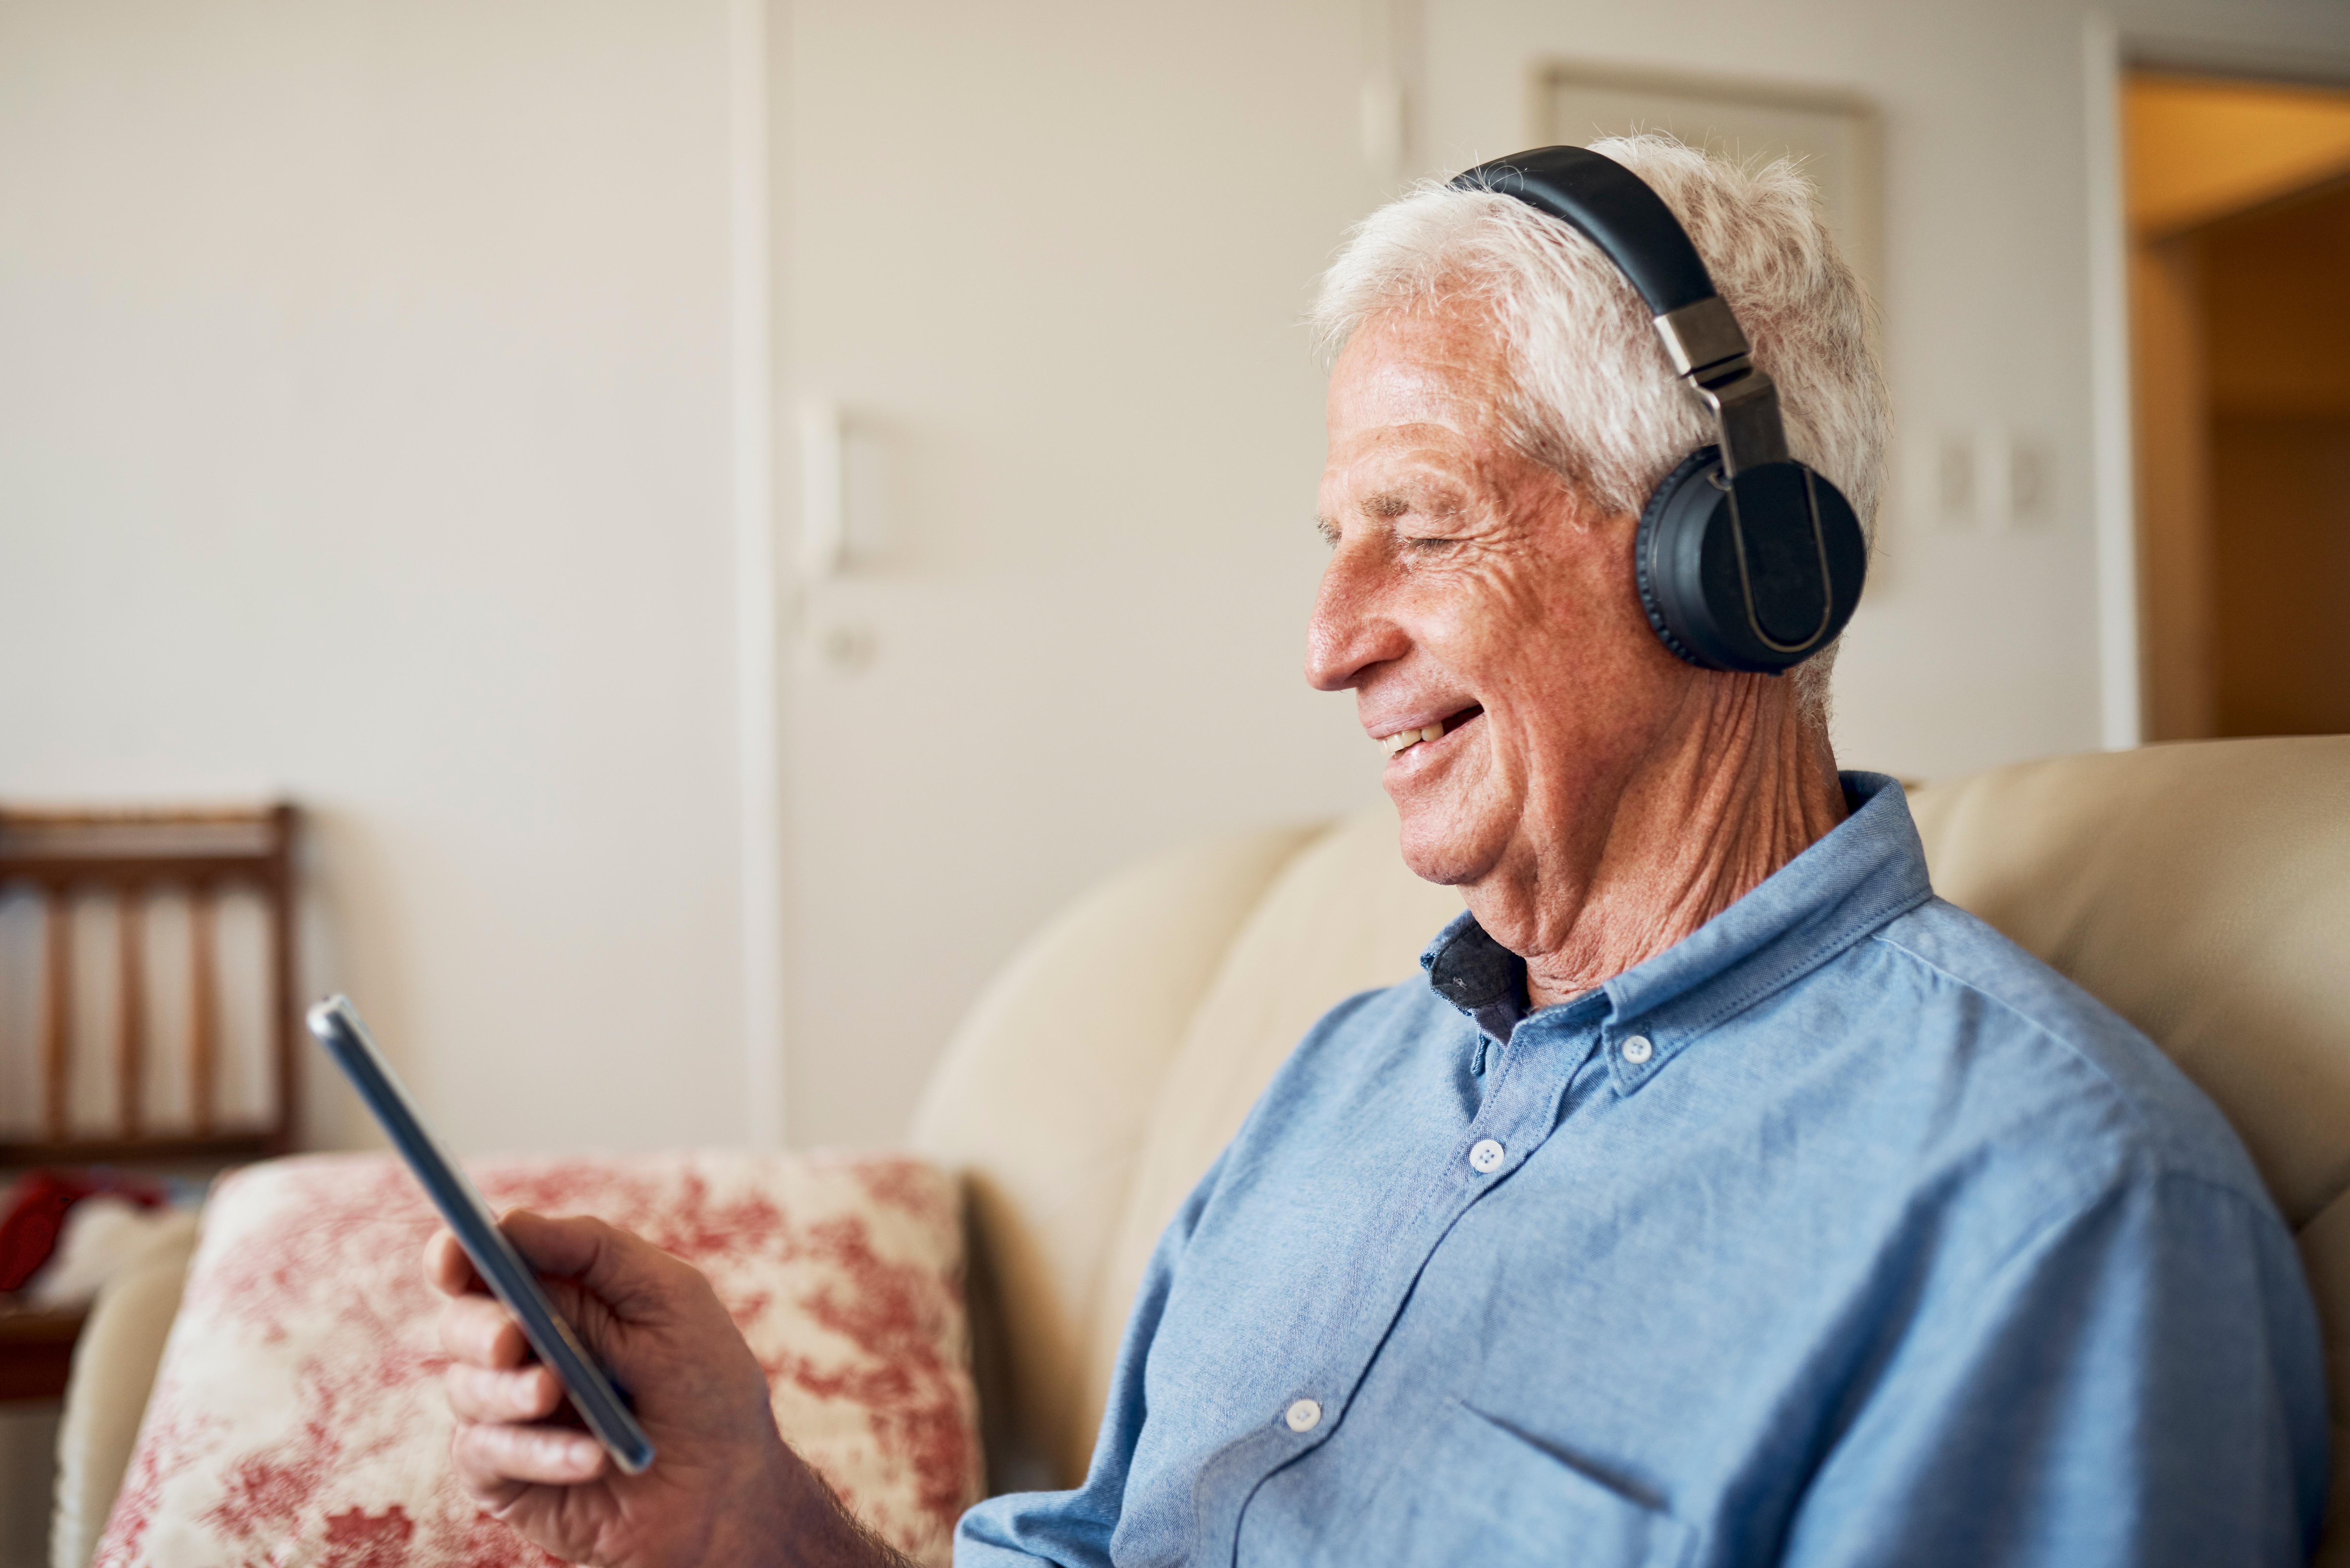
(1615,208)
(1617,211)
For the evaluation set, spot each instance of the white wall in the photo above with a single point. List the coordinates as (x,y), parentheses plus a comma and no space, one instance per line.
(364,433)
(363,436)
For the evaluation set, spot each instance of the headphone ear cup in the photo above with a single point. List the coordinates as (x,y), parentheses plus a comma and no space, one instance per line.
(1710,589)
(1668,554)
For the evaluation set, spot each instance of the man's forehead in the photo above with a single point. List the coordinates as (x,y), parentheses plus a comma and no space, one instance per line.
(1443,370)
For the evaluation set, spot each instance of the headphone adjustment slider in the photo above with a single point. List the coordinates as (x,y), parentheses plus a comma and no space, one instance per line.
(1744,403)
(1697,338)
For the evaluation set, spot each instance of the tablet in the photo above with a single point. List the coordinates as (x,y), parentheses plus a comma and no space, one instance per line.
(337,1025)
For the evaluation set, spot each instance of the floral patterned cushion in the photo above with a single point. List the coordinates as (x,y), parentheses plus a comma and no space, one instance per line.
(297,1418)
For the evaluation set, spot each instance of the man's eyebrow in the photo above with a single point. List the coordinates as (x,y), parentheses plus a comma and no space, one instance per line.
(1384,504)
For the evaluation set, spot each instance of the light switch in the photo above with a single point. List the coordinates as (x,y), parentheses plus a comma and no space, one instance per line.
(1990,477)
(1954,481)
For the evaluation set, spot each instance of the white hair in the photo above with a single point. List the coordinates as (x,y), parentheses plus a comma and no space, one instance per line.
(1591,394)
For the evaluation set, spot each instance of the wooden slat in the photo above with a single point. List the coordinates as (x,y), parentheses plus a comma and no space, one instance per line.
(62,870)
(285,1007)
(203,1005)
(57,1007)
(226,1146)
(131,1011)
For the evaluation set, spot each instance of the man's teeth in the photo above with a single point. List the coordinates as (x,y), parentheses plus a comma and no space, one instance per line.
(1403,738)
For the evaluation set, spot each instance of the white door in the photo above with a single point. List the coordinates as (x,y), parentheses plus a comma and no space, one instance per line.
(1048,259)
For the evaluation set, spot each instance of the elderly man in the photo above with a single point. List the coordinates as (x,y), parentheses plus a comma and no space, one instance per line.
(1719,1196)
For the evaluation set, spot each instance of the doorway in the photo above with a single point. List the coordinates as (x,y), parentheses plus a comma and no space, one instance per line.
(2238,207)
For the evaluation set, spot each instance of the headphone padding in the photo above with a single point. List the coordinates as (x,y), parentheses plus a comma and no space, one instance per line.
(1648,566)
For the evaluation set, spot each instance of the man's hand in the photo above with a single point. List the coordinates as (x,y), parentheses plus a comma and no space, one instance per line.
(723,1488)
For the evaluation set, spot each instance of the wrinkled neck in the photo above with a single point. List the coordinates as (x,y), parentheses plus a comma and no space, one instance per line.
(1738,788)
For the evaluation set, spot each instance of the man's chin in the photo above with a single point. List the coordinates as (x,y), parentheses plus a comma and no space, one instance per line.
(1435,850)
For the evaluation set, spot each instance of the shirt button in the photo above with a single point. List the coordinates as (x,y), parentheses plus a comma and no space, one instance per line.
(1637,1050)
(1304,1416)
(1485,1156)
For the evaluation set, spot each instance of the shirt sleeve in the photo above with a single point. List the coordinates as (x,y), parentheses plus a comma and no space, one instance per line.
(2139,1384)
(1073,1529)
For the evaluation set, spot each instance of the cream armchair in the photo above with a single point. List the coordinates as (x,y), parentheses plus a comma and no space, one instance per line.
(2203,890)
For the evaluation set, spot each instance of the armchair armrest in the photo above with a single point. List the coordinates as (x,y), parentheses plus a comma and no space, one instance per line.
(114,1367)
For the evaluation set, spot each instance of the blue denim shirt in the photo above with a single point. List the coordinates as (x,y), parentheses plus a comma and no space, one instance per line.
(1843,1232)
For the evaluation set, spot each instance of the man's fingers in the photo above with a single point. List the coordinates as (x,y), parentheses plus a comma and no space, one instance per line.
(446,1267)
(491,1493)
(622,1270)
(494,1462)
(477,1393)
(478,1332)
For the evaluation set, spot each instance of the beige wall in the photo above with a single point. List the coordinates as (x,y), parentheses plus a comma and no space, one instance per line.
(365,402)
(363,436)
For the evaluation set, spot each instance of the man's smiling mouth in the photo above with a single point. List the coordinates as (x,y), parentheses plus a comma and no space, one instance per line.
(1402,741)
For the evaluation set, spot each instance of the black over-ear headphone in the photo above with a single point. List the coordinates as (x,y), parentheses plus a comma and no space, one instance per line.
(1745,559)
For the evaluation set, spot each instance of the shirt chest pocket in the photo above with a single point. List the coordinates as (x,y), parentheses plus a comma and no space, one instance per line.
(1478,1487)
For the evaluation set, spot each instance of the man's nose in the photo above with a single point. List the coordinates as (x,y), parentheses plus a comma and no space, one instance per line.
(1349,630)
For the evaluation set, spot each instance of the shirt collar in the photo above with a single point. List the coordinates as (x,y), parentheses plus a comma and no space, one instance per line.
(1863,872)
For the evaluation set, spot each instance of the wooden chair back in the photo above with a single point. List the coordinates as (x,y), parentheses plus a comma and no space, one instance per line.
(129,857)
